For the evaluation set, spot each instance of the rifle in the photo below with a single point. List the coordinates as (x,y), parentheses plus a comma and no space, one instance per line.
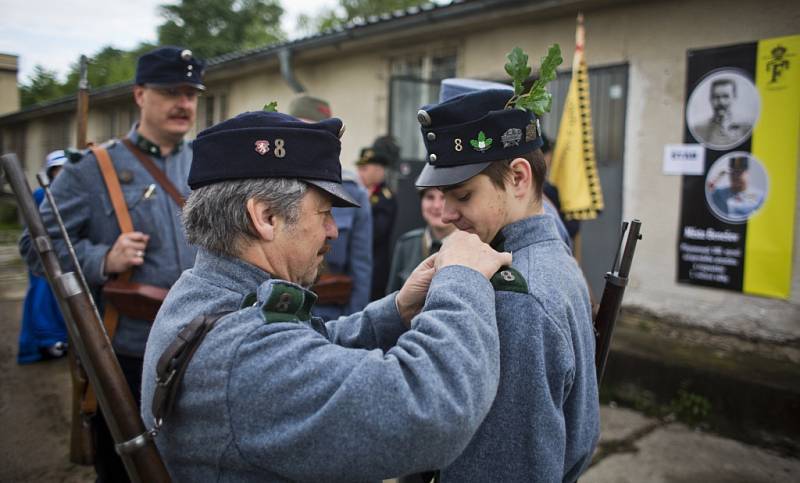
(82,113)
(81,442)
(614,290)
(88,338)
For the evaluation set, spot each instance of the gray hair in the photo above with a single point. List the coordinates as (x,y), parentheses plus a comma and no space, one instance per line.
(215,216)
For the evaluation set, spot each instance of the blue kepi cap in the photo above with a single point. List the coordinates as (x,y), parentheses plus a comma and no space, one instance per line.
(271,145)
(170,66)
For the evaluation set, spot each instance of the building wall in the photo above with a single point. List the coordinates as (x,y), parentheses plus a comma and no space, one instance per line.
(9,92)
(653,39)
(363,108)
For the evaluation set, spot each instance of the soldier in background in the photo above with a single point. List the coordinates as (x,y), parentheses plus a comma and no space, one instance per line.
(416,245)
(168,83)
(43,333)
(372,166)
(347,272)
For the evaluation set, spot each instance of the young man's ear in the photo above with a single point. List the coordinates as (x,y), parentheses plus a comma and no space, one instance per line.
(262,220)
(521,177)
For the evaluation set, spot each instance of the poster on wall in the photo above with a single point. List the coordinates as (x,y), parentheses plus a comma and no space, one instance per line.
(737,216)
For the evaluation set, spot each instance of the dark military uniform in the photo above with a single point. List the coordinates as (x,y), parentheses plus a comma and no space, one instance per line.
(384,211)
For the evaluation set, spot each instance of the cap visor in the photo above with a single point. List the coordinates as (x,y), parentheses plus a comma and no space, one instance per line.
(341,197)
(199,87)
(432,176)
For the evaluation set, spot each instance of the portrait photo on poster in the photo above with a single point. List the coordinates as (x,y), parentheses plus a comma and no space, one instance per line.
(723,108)
(736,187)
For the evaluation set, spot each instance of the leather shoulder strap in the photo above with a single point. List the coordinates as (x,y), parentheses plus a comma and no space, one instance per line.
(110,314)
(155,172)
(114,189)
(175,360)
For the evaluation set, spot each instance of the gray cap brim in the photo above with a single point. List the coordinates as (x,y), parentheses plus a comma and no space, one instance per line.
(432,176)
(341,198)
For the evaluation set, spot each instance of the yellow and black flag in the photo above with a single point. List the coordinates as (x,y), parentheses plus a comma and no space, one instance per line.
(574,170)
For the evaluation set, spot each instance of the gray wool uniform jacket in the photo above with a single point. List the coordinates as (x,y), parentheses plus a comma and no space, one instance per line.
(273,394)
(84,204)
(544,423)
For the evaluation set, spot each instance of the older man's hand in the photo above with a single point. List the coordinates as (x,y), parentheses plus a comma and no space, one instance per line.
(462,248)
(412,294)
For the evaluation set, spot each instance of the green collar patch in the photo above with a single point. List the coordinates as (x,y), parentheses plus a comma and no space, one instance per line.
(508,279)
(249,300)
(149,147)
(288,303)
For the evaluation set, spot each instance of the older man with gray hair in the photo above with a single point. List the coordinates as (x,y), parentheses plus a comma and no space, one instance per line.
(273,393)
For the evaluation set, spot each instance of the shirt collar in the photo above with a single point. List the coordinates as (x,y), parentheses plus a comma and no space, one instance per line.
(526,232)
(244,278)
(147,146)
(231,273)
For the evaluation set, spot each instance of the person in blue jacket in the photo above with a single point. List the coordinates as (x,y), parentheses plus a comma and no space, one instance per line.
(274,394)
(42,333)
(167,86)
(544,422)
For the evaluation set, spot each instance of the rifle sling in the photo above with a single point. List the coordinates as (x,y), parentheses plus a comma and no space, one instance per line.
(175,360)
(155,172)
(110,314)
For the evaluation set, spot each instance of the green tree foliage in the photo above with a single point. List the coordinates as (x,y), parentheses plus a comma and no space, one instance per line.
(350,10)
(42,86)
(214,27)
(208,27)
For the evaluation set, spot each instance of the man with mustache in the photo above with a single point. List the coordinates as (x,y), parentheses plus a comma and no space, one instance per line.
(273,393)
(155,252)
(544,422)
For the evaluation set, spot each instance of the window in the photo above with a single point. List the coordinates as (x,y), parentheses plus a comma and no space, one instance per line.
(414,83)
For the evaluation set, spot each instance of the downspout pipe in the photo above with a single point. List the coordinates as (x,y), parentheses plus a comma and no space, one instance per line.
(287,71)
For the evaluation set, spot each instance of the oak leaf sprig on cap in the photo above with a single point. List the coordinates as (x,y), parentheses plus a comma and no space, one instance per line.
(271,107)
(537,99)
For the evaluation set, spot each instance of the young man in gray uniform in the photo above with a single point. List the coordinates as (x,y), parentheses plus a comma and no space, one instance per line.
(273,393)
(168,81)
(544,423)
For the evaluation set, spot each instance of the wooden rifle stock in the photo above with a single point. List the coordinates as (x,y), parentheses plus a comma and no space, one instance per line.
(90,341)
(614,290)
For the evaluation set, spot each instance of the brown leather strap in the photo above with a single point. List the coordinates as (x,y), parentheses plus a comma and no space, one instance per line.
(155,172)
(114,189)
(110,314)
(174,361)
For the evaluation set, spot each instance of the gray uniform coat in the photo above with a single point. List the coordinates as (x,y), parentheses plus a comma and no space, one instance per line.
(544,423)
(273,395)
(82,199)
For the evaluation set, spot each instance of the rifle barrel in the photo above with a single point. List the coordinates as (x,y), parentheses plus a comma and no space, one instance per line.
(89,339)
(613,292)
